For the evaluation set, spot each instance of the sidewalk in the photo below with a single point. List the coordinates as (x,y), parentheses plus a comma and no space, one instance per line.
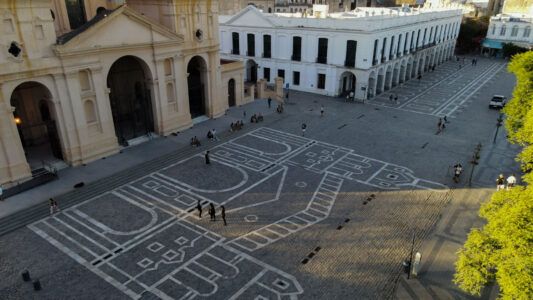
(438,251)
(131,156)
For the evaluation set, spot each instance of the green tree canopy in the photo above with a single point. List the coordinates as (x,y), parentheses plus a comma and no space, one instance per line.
(502,250)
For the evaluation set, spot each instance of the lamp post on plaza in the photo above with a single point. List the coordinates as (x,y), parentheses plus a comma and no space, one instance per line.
(474,162)
(498,125)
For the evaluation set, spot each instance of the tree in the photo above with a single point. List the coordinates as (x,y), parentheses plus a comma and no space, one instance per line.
(502,250)
(510,49)
(471,32)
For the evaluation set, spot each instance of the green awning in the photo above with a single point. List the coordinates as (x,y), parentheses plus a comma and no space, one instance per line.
(492,44)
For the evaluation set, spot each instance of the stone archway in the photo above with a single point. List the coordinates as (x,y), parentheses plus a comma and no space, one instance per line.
(197,82)
(371,90)
(35,119)
(402,72)
(347,83)
(380,82)
(131,100)
(388,78)
(231,92)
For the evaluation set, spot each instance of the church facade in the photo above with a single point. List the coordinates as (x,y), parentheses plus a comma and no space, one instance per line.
(81,79)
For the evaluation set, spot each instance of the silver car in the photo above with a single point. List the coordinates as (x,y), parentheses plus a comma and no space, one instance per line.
(497,101)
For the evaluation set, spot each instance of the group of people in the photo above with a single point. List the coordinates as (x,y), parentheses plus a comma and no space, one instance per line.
(474,61)
(442,123)
(350,97)
(212,135)
(53,206)
(256,118)
(195,142)
(237,125)
(212,212)
(500,182)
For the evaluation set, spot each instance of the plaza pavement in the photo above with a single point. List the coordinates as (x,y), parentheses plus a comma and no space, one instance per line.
(329,215)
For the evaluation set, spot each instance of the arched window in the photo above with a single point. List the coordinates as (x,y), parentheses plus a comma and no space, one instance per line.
(527,31)
(90,113)
(514,31)
(502,31)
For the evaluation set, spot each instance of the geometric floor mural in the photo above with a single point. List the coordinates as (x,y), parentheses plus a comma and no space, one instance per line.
(143,237)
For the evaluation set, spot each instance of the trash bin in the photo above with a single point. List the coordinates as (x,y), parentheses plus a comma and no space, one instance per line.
(406,266)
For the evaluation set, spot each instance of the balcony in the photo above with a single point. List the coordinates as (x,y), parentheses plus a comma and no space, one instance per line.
(250,53)
(383,59)
(322,60)
(349,63)
(374,62)
(267,55)
(296,57)
(235,52)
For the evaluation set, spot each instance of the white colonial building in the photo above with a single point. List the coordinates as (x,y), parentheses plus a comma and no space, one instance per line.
(508,28)
(367,50)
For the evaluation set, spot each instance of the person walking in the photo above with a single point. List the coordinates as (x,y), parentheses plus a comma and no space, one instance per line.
(223,214)
(199,208)
(500,183)
(391,97)
(304,127)
(443,123)
(212,212)
(207,158)
(214,133)
(439,125)
(511,181)
(396,99)
(269,101)
(322,110)
(53,206)
(1,194)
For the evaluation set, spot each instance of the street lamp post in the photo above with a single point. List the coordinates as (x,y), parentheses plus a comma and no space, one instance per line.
(498,125)
(474,162)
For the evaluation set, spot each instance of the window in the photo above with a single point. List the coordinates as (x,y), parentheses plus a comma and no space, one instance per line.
(405,42)
(266,74)
(527,31)
(85,82)
(267,46)
(514,31)
(383,50)
(412,41)
(399,45)
(390,48)
(171,98)
(296,48)
(322,51)
(168,67)
(417,38)
(76,13)
(353,5)
(296,78)
(493,29)
(374,60)
(351,50)
(502,31)
(321,84)
(424,37)
(235,40)
(251,45)
(281,73)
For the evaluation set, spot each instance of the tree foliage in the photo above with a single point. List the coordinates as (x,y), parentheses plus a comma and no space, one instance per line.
(510,49)
(471,33)
(502,250)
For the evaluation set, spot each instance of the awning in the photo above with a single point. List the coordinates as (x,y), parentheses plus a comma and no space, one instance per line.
(492,44)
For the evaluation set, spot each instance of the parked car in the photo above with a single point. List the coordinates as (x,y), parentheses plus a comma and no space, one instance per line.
(497,101)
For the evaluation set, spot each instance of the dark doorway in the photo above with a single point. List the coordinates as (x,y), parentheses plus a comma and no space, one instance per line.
(131,103)
(231,93)
(251,71)
(197,70)
(76,13)
(36,124)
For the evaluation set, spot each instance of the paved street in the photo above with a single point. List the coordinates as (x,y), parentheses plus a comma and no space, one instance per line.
(328,215)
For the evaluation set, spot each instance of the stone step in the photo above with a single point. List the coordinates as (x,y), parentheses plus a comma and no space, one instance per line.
(92,189)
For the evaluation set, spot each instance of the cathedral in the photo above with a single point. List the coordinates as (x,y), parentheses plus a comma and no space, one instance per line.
(80,79)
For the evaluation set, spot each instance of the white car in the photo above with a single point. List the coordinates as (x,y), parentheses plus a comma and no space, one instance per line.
(497,101)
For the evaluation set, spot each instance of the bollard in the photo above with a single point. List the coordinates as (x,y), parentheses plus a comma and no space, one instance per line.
(37,285)
(26,275)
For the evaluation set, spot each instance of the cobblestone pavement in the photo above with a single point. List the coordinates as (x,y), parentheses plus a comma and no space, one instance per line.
(328,215)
